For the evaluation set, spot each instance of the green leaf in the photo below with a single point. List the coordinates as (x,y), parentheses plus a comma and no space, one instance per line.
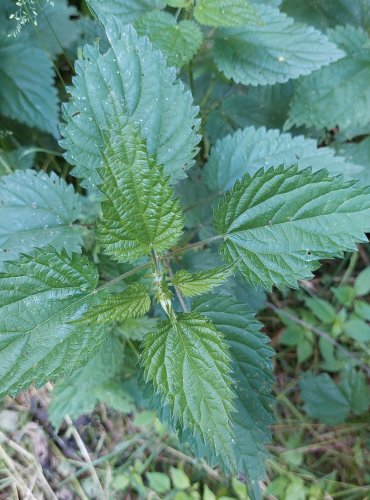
(252,370)
(37,210)
(226,13)
(56,30)
(192,284)
(179,479)
(248,149)
(357,329)
(97,381)
(323,399)
(274,52)
(140,213)
(280,222)
(362,282)
(321,309)
(132,303)
(355,388)
(179,3)
(39,297)
(27,91)
(359,153)
(189,365)
(178,42)
(129,82)
(338,95)
(259,106)
(159,482)
(330,13)
(126,11)
(16,159)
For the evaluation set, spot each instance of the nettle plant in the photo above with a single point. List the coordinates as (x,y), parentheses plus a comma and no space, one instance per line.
(134,319)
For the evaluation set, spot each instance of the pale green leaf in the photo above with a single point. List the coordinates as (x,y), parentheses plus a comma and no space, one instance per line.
(192,284)
(226,13)
(274,52)
(97,381)
(189,365)
(27,91)
(179,3)
(178,42)
(249,149)
(126,11)
(280,222)
(140,213)
(40,296)
(129,82)
(338,95)
(37,210)
(362,282)
(132,303)
(252,370)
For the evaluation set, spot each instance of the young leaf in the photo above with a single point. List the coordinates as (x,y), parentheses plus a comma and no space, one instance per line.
(127,11)
(280,222)
(178,42)
(339,94)
(274,52)
(140,213)
(129,82)
(132,303)
(226,13)
(37,210)
(27,91)
(97,381)
(248,149)
(189,365)
(39,297)
(192,284)
(252,370)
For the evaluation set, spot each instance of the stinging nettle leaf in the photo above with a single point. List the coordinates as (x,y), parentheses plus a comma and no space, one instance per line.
(37,210)
(246,150)
(94,382)
(338,95)
(275,52)
(55,29)
(127,11)
(27,91)
(280,222)
(132,303)
(259,106)
(140,213)
(189,365)
(192,284)
(130,82)
(252,370)
(226,13)
(178,42)
(39,297)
